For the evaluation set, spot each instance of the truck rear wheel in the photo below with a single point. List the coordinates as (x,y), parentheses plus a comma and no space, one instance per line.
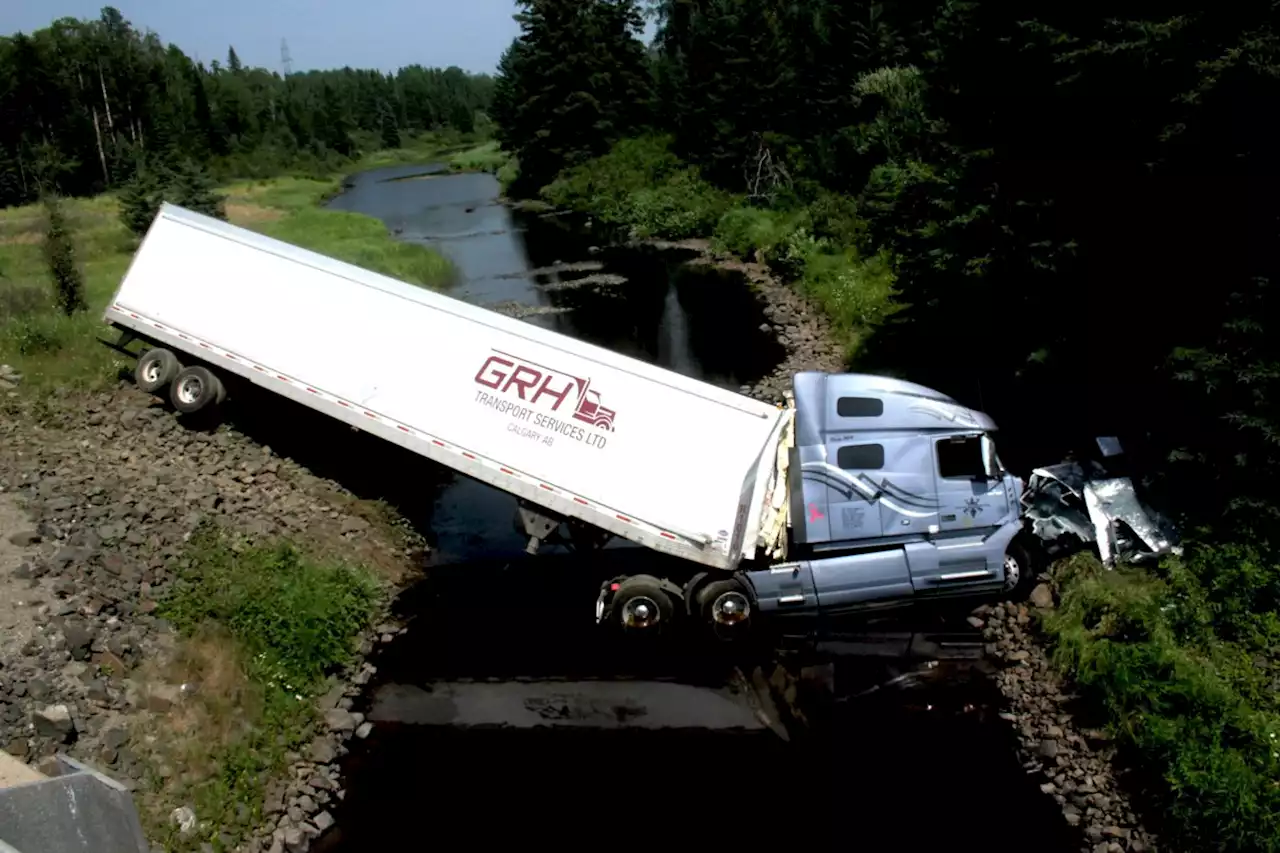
(195,388)
(725,607)
(1019,576)
(156,369)
(640,604)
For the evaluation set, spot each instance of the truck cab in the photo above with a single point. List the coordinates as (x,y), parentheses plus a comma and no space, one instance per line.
(897,494)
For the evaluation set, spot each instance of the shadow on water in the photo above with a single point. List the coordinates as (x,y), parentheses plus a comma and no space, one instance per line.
(923,769)
(491,626)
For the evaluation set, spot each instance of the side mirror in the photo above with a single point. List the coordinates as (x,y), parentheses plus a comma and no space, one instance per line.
(990,462)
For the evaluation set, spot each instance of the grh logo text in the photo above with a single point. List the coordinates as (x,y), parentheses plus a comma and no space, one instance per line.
(534,383)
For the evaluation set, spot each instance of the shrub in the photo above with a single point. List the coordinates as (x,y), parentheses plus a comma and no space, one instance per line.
(36,334)
(642,187)
(296,618)
(755,233)
(188,185)
(60,255)
(1194,708)
(140,200)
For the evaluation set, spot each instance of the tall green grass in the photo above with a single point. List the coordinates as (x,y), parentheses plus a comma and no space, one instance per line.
(1182,665)
(262,627)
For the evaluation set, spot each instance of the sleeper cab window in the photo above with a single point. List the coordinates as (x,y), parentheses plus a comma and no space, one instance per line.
(861,457)
(859,407)
(961,458)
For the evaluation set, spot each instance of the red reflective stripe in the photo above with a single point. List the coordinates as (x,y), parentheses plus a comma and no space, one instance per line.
(313,391)
(206,346)
(134,316)
(545,486)
(581,501)
(230,356)
(370,415)
(344,403)
(468,455)
(437,441)
(162,328)
(283,378)
(507,471)
(184,337)
(668,535)
(261,369)
(402,428)
(624,518)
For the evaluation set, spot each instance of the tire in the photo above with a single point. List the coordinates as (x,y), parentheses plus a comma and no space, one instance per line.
(725,609)
(1019,575)
(155,370)
(641,605)
(194,389)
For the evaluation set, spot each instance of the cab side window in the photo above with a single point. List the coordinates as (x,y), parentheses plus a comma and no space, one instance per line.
(961,458)
(861,457)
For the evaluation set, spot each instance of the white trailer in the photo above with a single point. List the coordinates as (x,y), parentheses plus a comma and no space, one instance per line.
(587,440)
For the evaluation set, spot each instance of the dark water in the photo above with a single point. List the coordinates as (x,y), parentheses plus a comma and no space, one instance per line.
(503,713)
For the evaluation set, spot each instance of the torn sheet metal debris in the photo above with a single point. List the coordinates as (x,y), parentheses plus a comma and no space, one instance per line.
(1073,503)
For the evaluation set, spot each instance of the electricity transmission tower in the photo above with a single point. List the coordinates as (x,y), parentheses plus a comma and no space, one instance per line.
(286,61)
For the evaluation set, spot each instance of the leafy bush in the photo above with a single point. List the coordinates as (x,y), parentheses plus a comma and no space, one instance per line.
(509,173)
(295,618)
(756,233)
(1195,707)
(60,255)
(642,187)
(856,293)
(36,334)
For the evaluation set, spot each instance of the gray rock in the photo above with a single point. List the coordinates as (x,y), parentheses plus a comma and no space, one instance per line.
(25,538)
(1048,748)
(54,721)
(294,840)
(364,730)
(307,805)
(323,821)
(1042,597)
(79,638)
(322,751)
(339,720)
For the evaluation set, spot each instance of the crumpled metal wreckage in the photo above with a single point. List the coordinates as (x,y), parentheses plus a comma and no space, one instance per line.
(1074,502)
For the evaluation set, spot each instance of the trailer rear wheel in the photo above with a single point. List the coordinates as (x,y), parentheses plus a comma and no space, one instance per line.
(641,604)
(195,388)
(725,607)
(156,369)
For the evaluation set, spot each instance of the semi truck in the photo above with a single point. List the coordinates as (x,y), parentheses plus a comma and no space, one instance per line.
(857,492)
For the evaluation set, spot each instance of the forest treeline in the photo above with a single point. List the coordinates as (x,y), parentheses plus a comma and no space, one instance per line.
(1061,214)
(85,103)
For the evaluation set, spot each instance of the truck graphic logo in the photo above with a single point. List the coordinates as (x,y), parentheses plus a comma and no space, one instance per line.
(534,383)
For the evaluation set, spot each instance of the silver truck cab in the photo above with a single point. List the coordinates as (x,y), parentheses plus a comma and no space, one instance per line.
(896,494)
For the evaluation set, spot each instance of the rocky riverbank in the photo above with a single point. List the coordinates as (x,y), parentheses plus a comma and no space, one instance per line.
(99,497)
(1076,764)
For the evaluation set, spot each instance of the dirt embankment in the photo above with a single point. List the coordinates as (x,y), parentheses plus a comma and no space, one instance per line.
(98,499)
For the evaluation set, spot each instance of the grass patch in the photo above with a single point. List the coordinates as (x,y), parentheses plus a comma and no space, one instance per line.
(1181,663)
(53,351)
(261,627)
(483,158)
